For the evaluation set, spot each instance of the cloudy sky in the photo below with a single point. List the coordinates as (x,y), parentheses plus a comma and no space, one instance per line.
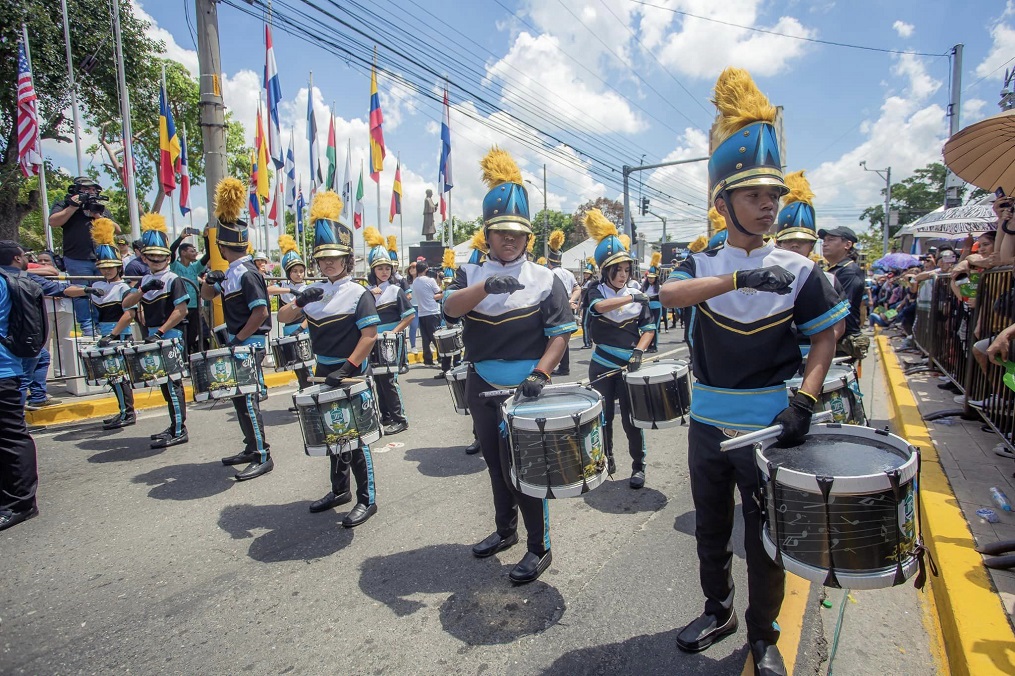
(585,86)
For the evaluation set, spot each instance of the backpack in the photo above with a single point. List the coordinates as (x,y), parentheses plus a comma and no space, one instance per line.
(27,327)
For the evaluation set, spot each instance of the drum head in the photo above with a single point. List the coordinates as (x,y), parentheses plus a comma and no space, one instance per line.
(658,372)
(557,405)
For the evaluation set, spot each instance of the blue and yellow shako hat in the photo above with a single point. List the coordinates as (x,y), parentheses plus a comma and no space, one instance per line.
(154,238)
(479,247)
(610,248)
(748,151)
(555,244)
(590,266)
(797,219)
(290,253)
(331,236)
(106,252)
(448,263)
(230,198)
(377,254)
(653,266)
(506,206)
(393,250)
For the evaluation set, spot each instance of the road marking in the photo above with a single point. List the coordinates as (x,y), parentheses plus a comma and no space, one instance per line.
(791,622)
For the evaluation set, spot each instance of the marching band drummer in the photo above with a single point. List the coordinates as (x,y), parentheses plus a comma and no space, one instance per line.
(113,320)
(163,298)
(555,244)
(747,295)
(621,326)
(248,319)
(295,271)
(396,313)
(516,325)
(343,327)
(651,289)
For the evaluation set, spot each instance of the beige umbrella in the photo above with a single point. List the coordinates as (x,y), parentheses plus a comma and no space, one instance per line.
(984,153)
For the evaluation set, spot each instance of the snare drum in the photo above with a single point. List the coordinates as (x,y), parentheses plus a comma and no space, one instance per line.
(449,341)
(292,352)
(103,365)
(456,383)
(336,420)
(225,373)
(840,395)
(660,394)
(389,349)
(840,509)
(555,442)
(150,364)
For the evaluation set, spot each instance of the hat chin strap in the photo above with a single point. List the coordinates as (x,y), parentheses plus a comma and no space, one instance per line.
(725,195)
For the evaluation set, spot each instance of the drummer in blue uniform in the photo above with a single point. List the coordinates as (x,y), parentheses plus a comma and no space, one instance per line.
(248,319)
(113,319)
(396,313)
(295,272)
(343,320)
(622,327)
(747,294)
(651,289)
(517,321)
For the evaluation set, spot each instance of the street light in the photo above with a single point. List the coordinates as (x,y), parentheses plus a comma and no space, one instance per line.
(546,216)
(887,175)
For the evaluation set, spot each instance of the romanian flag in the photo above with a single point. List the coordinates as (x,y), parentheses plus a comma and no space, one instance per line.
(184,176)
(396,194)
(261,147)
(376,134)
(169,145)
(357,215)
(253,204)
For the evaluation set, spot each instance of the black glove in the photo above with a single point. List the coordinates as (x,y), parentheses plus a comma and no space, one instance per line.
(501,284)
(92,291)
(639,297)
(533,385)
(153,285)
(309,295)
(104,341)
(634,363)
(234,342)
(776,279)
(347,370)
(157,335)
(214,277)
(795,420)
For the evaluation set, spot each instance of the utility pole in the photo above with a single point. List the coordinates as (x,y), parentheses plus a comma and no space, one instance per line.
(953,184)
(212,114)
(128,134)
(546,219)
(663,219)
(887,175)
(628,170)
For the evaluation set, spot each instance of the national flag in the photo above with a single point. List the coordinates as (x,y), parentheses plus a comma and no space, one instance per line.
(273,209)
(396,194)
(376,134)
(315,164)
(300,204)
(274,95)
(184,175)
(290,173)
(261,147)
(169,144)
(29,140)
(332,153)
(357,217)
(444,170)
(253,204)
(347,184)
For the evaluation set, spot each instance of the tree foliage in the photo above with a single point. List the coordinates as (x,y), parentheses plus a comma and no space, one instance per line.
(612,209)
(916,196)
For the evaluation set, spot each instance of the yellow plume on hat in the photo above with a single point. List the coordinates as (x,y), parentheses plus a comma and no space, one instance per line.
(479,240)
(326,205)
(250,248)
(556,240)
(531,245)
(717,220)
(153,222)
(230,197)
(499,167)
(699,244)
(373,237)
(799,189)
(591,261)
(625,239)
(286,243)
(541,260)
(449,259)
(657,258)
(598,225)
(102,231)
(392,243)
(740,103)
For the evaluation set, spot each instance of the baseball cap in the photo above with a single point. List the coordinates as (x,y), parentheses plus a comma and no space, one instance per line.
(121,239)
(843,232)
(946,255)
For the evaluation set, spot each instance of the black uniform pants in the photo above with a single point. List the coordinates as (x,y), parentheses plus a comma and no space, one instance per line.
(389,396)
(173,393)
(714,475)
(428,324)
(486,420)
(19,473)
(362,463)
(612,388)
(248,414)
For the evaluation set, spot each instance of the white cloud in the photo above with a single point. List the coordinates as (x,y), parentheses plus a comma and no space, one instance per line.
(1002,46)
(188,57)
(600,30)
(903,29)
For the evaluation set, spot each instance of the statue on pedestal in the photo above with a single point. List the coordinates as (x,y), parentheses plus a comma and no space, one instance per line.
(429,207)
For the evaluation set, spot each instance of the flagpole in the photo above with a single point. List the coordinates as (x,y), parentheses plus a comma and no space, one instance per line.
(73,90)
(401,229)
(128,141)
(172,211)
(42,158)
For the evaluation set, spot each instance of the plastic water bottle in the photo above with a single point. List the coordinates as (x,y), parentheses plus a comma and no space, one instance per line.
(999,498)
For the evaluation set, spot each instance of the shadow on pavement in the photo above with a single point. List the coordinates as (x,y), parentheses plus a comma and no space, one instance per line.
(294,534)
(615,497)
(191,481)
(652,654)
(276,418)
(483,608)
(445,461)
(685,524)
(120,450)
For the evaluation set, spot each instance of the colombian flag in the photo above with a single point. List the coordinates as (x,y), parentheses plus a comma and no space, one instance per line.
(396,194)
(376,134)
(169,145)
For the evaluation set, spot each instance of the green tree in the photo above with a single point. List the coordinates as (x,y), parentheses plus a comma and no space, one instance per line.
(543,223)
(612,209)
(916,196)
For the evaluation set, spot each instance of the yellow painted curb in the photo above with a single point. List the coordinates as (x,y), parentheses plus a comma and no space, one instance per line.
(978,639)
(106,406)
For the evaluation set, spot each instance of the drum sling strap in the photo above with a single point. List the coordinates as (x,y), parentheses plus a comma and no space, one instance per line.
(921,550)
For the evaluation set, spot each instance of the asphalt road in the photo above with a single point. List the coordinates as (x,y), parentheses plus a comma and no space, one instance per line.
(156,561)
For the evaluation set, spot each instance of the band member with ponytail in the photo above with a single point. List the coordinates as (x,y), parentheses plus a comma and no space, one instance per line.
(343,320)
(651,289)
(295,271)
(622,328)
(516,322)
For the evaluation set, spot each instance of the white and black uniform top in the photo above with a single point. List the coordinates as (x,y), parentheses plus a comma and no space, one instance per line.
(336,320)
(160,303)
(616,333)
(242,290)
(505,335)
(567,279)
(110,305)
(287,298)
(743,345)
(392,306)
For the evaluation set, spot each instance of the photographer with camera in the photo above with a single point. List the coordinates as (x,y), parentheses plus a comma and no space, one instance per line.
(75,213)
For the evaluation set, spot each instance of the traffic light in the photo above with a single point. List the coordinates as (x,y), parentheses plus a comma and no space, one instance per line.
(644,206)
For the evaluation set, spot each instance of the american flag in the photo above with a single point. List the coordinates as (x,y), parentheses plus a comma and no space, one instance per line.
(29,149)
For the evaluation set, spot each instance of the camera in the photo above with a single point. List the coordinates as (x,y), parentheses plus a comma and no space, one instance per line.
(92,203)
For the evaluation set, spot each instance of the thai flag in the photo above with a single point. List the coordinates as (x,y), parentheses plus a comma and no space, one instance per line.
(29,146)
(184,176)
(274,95)
(444,170)
(290,173)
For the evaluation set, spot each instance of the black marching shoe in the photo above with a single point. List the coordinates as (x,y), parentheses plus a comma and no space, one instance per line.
(493,544)
(256,469)
(359,514)
(169,440)
(395,428)
(168,432)
(530,567)
(330,501)
(473,448)
(9,518)
(611,465)
(767,659)
(704,631)
(116,422)
(293,409)
(439,376)
(562,372)
(241,458)
(637,479)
